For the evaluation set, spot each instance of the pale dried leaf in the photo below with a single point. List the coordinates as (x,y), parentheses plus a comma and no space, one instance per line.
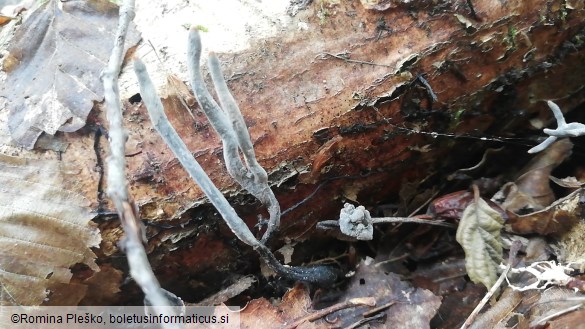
(568,182)
(479,235)
(44,229)
(54,64)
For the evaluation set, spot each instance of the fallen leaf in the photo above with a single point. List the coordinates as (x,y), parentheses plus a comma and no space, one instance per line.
(450,207)
(4,19)
(531,191)
(479,235)
(44,230)
(103,287)
(260,313)
(407,307)
(556,219)
(555,301)
(568,182)
(370,288)
(53,67)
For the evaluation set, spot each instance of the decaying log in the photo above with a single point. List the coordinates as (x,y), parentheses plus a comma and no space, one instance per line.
(333,114)
(351,108)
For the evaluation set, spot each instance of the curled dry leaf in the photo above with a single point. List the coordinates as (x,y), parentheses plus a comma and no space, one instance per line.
(43,67)
(450,207)
(531,191)
(479,235)
(44,229)
(568,182)
(556,219)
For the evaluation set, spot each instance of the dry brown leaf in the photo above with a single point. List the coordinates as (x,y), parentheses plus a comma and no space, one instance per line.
(44,229)
(531,190)
(4,19)
(556,219)
(540,311)
(408,307)
(296,311)
(103,287)
(260,313)
(53,67)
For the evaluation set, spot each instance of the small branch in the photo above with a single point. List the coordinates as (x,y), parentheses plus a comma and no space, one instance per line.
(357,223)
(117,190)
(380,220)
(516,245)
(368,301)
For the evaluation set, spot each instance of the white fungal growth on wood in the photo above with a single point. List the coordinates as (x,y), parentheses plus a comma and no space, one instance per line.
(356,222)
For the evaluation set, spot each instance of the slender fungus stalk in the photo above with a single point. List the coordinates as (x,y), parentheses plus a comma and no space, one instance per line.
(227,120)
(234,135)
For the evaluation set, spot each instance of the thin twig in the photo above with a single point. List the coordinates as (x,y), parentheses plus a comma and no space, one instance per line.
(361,322)
(368,301)
(344,57)
(544,320)
(380,220)
(117,190)
(516,245)
(379,308)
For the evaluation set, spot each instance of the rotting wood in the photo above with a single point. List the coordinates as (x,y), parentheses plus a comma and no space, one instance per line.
(327,130)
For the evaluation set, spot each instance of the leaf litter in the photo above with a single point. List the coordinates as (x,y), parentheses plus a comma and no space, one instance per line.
(438,286)
(47,87)
(44,230)
(373,297)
